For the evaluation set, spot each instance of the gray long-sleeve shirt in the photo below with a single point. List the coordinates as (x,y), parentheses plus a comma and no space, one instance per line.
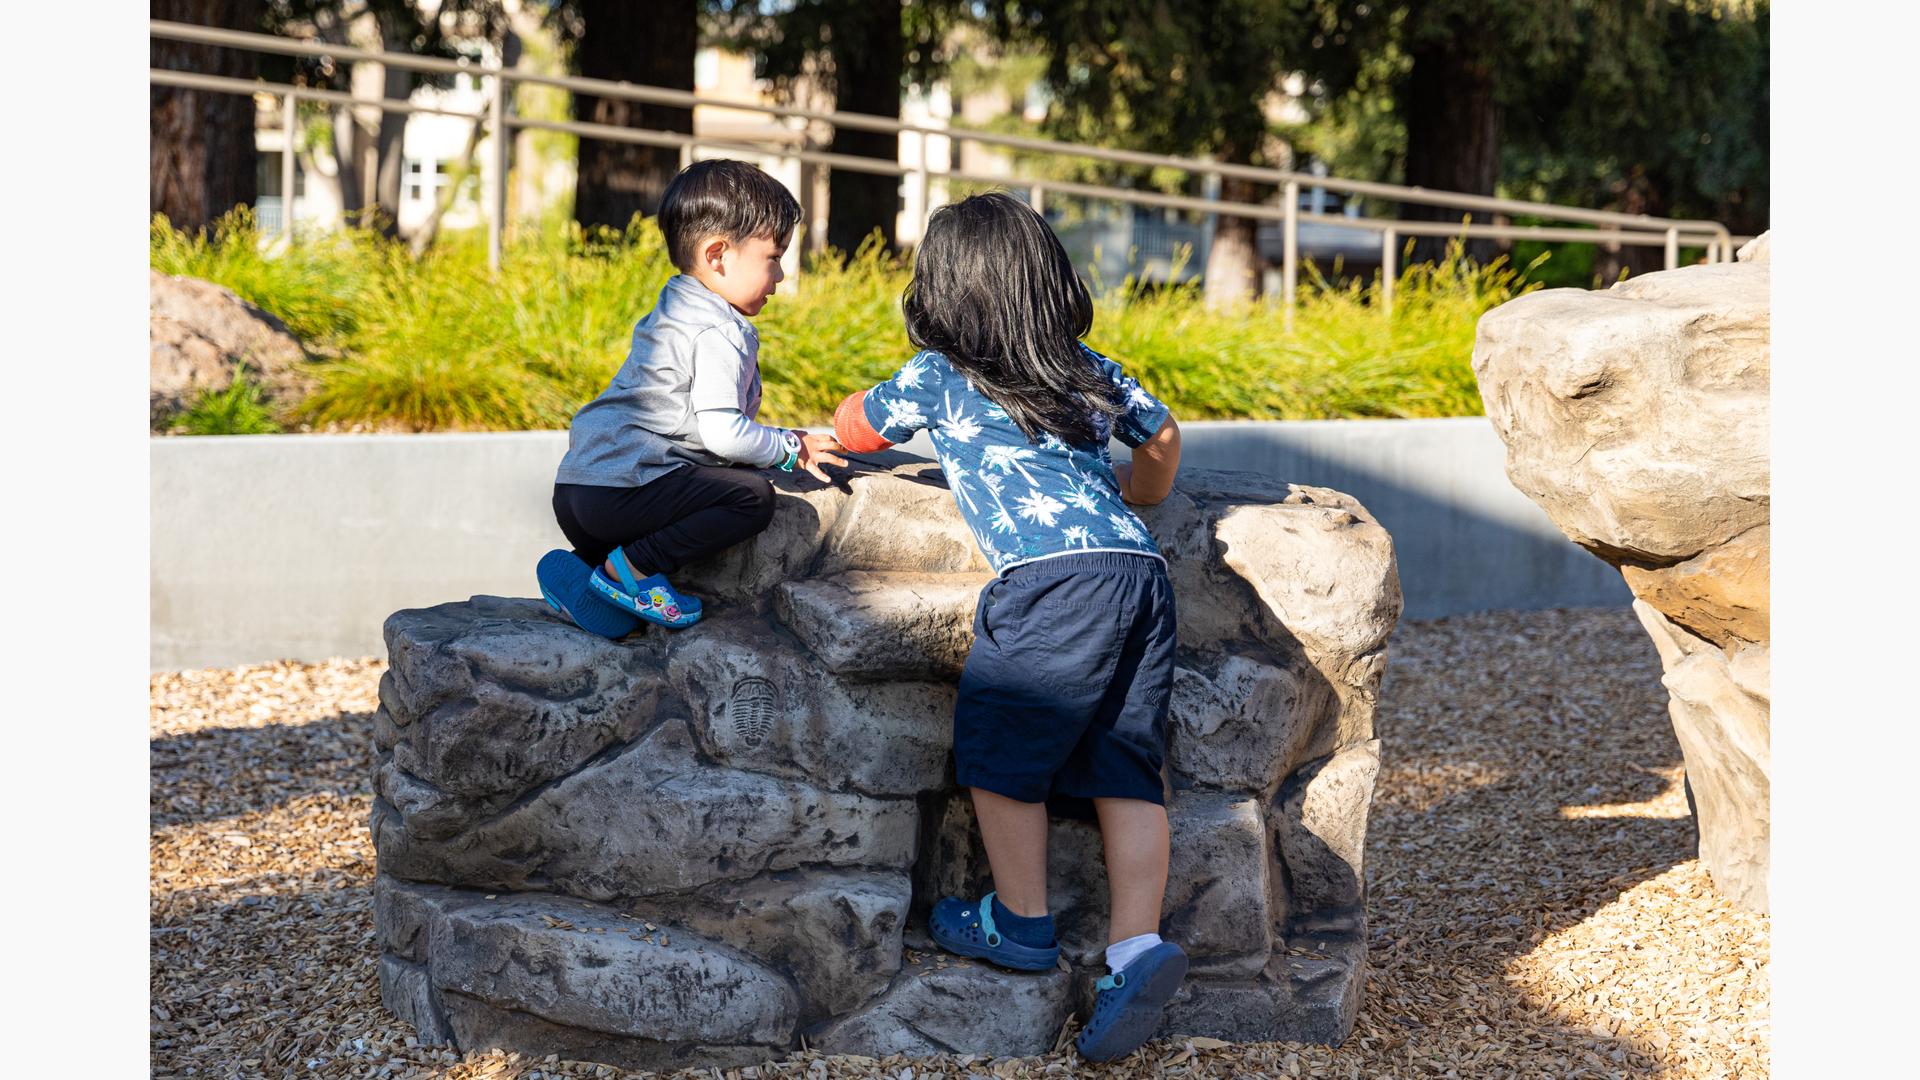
(686,395)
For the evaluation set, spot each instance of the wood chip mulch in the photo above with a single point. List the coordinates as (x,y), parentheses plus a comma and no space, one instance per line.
(1535,907)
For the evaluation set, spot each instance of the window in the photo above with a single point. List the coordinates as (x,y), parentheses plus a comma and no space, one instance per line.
(267,175)
(424,179)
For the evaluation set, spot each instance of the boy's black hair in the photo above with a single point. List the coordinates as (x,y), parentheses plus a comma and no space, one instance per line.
(723,197)
(994,292)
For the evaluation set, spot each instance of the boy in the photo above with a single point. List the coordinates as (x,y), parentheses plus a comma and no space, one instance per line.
(646,487)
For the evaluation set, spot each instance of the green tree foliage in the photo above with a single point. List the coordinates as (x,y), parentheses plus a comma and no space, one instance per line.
(1643,106)
(1190,79)
(1467,63)
(371,161)
(1666,113)
(863,53)
(651,44)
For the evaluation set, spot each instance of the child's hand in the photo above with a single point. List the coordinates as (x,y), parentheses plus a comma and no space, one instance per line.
(818,450)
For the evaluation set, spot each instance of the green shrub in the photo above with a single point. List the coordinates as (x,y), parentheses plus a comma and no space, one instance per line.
(311,287)
(240,409)
(437,342)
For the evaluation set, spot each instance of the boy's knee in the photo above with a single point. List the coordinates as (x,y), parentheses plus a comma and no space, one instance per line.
(759,500)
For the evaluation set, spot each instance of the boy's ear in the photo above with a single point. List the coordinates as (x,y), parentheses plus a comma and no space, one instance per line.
(712,253)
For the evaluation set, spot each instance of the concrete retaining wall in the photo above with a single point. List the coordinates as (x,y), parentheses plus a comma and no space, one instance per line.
(299,546)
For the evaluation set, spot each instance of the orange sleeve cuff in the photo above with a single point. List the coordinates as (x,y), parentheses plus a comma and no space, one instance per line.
(851,428)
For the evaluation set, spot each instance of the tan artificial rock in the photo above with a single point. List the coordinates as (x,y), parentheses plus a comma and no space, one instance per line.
(1724,732)
(1719,594)
(1637,418)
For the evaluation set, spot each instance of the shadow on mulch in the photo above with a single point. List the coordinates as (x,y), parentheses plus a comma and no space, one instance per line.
(218,773)
(1472,860)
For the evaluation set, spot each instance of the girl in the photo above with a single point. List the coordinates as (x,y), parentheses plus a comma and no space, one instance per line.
(1063,700)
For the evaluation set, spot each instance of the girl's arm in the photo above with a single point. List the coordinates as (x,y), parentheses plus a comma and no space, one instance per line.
(873,419)
(1155,462)
(851,428)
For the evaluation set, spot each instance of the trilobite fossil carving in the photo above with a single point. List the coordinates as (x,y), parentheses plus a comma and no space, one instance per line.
(751,710)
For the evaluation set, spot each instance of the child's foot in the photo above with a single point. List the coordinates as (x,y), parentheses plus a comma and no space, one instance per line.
(969,929)
(563,583)
(1128,1005)
(651,598)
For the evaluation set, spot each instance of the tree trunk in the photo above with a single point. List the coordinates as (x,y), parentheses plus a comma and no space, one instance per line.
(349,155)
(1636,195)
(1233,259)
(355,127)
(866,51)
(527,194)
(650,43)
(1453,130)
(201,153)
(322,176)
(390,153)
(429,230)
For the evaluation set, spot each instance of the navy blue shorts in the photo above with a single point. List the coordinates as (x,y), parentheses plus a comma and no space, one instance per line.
(1064,696)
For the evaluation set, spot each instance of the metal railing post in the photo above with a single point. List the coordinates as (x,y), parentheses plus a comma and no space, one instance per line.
(926,190)
(289,119)
(792,261)
(1290,251)
(1037,198)
(497,178)
(1389,267)
(1673,248)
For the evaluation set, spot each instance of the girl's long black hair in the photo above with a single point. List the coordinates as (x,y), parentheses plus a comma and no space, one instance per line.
(993,291)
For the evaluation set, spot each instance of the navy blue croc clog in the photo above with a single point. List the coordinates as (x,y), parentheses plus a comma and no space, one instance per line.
(966,928)
(563,584)
(1128,1005)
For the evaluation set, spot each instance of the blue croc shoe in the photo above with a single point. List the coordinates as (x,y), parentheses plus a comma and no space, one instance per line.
(650,598)
(563,583)
(967,929)
(1127,1007)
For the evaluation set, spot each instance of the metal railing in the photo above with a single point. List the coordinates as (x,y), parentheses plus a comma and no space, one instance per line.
(1606,226)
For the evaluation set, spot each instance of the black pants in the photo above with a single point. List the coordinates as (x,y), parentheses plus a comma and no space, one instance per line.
(688,514)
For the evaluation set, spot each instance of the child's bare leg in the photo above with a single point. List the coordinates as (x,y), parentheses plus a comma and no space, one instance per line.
(1134,833)
(1015,834)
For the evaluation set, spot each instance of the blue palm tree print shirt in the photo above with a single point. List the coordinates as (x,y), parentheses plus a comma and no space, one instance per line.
(1024,500)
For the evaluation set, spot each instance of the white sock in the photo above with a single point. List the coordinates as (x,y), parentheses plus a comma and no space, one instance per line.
(1122,953)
